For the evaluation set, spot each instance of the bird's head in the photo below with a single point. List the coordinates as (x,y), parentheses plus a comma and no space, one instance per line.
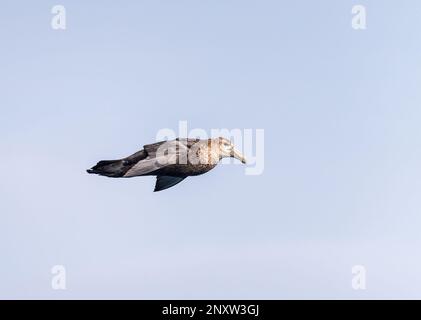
(226,149)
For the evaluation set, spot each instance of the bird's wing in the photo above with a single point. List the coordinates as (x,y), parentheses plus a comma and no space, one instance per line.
(165,182)
(160,155)
(135,157)
(151,149)
(159,147)
(147,166)
(188,142)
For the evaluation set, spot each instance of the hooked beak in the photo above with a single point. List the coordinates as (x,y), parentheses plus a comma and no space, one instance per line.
(238,155)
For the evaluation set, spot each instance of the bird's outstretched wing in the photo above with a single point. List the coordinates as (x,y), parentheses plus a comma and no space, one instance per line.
(188,142)
(159,155)
(165,182)
(180,143)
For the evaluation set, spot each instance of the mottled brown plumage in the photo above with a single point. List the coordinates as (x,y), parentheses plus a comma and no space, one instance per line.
(170,161)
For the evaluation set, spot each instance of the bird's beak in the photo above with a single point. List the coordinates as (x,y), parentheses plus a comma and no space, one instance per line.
(237,155)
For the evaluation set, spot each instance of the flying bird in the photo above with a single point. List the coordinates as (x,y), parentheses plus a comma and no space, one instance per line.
(170,161)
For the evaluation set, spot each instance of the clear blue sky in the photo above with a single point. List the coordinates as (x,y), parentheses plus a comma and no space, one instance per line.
(341,111)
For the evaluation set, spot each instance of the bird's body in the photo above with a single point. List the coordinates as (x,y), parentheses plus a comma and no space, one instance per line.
(171,161)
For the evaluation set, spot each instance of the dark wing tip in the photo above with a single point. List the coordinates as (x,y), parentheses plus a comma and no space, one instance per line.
(165,182)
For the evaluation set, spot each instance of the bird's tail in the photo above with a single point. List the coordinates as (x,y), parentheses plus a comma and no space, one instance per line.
(117,168)
(111,168)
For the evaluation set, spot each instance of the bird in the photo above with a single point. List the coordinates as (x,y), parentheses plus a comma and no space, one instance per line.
(171,161)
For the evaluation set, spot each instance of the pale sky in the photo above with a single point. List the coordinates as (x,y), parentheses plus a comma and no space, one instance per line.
(341,113)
